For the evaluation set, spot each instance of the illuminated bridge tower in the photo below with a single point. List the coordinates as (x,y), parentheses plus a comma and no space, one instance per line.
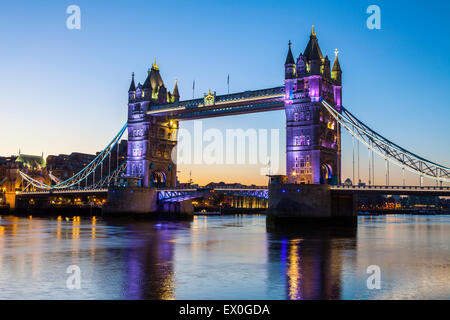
(313,145)
(151,139)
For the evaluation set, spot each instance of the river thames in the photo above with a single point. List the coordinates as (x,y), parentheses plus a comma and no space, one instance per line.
(223,257)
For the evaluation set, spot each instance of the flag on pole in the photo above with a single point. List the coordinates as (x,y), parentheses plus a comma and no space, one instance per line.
(193,88)
(228,83)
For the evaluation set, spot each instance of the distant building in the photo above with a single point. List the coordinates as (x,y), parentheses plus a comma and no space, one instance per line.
(64,166)
(31,162)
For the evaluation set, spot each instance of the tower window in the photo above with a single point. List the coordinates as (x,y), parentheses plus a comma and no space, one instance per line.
(302,140)
(296,116)
(302,163)
(308,115)
(302,116)
(307,141)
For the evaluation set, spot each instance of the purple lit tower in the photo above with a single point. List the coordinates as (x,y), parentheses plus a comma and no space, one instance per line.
(151,138)
(313,145)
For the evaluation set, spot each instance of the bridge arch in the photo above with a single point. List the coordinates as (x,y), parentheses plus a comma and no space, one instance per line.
(158,179)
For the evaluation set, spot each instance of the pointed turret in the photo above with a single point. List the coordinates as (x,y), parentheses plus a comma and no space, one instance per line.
(132,85)
(154,80)
(289,57)
(336,73)
(313,54)
(289,66)
(312,51)
(176,94)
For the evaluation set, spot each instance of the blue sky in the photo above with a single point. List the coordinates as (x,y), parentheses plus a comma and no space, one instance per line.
(66,90)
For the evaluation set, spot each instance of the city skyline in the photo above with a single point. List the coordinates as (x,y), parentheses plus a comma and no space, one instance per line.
(86,111)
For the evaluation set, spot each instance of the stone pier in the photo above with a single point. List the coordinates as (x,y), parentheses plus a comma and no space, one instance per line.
(310,204)
(143,202)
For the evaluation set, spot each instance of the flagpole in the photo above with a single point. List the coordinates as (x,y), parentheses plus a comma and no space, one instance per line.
(193,88)
(228,83)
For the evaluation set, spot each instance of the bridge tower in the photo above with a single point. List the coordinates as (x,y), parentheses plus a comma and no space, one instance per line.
(313,137)
(151,139)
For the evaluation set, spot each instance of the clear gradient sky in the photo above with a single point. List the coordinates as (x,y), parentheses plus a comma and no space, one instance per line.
(66,90)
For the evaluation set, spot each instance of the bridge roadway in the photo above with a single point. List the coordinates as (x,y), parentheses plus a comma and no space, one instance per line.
(224,105)
(178,194)
(394,190)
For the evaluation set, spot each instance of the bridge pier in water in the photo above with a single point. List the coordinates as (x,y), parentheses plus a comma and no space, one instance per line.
(310,204)
(143,202)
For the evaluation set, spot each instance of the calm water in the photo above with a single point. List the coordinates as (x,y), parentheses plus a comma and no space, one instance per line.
(231,257)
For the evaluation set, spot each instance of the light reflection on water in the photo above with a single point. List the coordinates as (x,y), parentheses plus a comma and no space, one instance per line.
(231,257)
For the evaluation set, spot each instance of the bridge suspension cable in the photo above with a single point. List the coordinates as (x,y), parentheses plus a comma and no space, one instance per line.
(387,149)
(54,178)
(82,174)
(106,181)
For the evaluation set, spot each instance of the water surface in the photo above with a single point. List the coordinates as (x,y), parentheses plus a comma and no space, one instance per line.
(223,257)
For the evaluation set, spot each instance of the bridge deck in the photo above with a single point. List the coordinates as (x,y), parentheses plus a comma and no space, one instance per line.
(230,104)
(394,190)
(384,190)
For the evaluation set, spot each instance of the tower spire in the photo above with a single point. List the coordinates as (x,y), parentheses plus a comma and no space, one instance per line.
(132,85)
(155,66)
(336,72)
(290,57)
(176,94)
(336,65)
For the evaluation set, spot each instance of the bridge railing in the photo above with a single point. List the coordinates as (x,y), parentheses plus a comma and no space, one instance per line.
(357,187)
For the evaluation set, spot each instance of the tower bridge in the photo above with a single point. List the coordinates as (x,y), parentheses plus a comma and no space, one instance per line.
(315,116)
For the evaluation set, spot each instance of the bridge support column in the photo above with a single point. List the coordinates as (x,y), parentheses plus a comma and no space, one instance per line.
(142,202)
(310,205)
(10,198)
(130,201)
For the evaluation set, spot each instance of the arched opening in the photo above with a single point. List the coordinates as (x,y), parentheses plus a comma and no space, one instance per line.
(158,179)
(326,173)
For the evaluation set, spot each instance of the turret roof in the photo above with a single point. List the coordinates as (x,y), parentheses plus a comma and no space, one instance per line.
(154,79)
(175,90)
(290,57)
(132,85)
(312,51)
(336,65)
